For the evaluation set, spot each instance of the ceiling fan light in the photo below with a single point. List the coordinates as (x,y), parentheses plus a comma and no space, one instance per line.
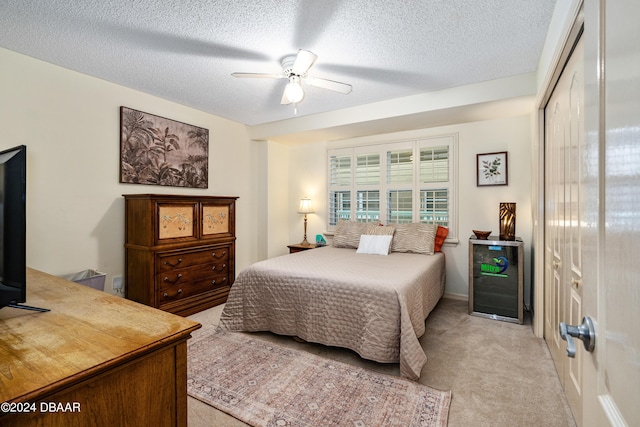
(293,91)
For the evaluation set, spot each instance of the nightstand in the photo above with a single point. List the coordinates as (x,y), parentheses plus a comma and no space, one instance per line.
(299,248)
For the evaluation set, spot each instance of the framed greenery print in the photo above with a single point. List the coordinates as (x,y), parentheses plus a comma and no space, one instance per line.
(491,169)
(158,151)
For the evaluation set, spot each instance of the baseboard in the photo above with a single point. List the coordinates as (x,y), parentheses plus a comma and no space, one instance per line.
(458,297)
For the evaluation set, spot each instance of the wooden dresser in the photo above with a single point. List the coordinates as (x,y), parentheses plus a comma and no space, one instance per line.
(94,359)
(180,250)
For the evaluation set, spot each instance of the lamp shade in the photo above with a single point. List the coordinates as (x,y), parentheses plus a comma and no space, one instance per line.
(305,206)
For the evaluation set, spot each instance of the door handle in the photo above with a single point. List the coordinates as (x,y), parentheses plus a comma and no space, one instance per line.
(585,332)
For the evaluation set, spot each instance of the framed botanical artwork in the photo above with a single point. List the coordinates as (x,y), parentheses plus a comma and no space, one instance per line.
(158,151)
(491,169)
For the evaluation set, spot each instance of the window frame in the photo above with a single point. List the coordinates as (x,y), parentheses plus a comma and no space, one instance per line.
(416,185)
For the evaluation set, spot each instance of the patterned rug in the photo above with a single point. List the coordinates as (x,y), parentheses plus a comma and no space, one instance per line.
(266,384)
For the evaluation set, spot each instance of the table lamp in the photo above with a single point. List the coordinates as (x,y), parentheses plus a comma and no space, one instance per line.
(305,208)
(507,221)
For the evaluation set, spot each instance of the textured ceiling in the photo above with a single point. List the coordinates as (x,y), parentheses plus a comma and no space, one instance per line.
(186,50)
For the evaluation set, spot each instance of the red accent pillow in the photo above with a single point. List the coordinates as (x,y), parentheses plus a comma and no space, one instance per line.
(441,235)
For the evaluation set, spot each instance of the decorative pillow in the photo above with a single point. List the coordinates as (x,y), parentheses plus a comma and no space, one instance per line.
(415,237)
(347,234)
(374,244)
(441,235)
(380,230)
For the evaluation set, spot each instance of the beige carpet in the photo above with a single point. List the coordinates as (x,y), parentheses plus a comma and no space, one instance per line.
(499,373)
(266,384)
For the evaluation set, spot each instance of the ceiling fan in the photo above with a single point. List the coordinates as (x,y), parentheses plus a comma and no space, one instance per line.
(294,69)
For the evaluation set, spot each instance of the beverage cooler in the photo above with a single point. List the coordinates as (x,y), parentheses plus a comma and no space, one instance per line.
(496,278)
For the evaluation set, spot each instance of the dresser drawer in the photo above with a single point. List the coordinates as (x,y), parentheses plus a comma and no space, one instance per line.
(177,291)
(171,261)
(178,276)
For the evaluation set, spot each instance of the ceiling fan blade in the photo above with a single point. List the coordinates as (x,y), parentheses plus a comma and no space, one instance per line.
(285,99)
(343,88)
(303,62)
(260,75)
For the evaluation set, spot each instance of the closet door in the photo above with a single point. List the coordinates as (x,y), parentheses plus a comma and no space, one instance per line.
(564,140)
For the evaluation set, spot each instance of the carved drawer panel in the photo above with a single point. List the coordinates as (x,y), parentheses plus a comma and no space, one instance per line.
(215,219)
(176,220)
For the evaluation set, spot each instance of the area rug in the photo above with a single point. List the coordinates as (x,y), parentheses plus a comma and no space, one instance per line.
(266,384)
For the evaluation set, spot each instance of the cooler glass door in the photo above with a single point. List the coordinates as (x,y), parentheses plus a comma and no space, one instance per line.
(495,280)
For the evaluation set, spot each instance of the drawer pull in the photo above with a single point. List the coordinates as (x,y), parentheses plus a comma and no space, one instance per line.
(223,253)
(166,295)
(173,265)
(166,278)
(224,265)
(213,282)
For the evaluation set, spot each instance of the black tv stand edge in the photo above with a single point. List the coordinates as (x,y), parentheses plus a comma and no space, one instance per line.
(27,307)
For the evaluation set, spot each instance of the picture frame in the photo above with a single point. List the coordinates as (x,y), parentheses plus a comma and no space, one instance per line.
(492,169)
(156,150)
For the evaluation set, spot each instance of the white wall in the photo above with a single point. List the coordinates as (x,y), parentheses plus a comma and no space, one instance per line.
(307,178)
(277,179)
(70,125)
(478,206)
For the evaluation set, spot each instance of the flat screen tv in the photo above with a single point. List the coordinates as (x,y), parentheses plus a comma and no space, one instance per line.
(13,228)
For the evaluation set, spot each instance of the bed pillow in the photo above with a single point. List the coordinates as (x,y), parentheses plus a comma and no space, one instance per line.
(380,230)
(441,235)
(415,238)
(374,244)
(347,234)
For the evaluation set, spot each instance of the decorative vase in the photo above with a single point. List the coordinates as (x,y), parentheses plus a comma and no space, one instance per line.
(507,221)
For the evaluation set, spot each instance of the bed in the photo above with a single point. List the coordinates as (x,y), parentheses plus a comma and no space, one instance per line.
(374,305)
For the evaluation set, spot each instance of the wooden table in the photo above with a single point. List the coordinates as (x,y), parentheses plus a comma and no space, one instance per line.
(299,248)
(93,359)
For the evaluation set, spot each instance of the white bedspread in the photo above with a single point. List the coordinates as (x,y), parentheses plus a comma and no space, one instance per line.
(375,305)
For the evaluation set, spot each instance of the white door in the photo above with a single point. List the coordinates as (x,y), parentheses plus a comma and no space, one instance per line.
(611,225)
(564,156)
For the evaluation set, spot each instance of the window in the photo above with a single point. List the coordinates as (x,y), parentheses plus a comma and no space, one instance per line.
(434,172)
(367,177)
(368,206)
(394,183)
(434,207)
(400,167)
(340,181)
(368,169)
(399,206)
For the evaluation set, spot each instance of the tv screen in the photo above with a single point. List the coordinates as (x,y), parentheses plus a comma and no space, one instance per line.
(13,225)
